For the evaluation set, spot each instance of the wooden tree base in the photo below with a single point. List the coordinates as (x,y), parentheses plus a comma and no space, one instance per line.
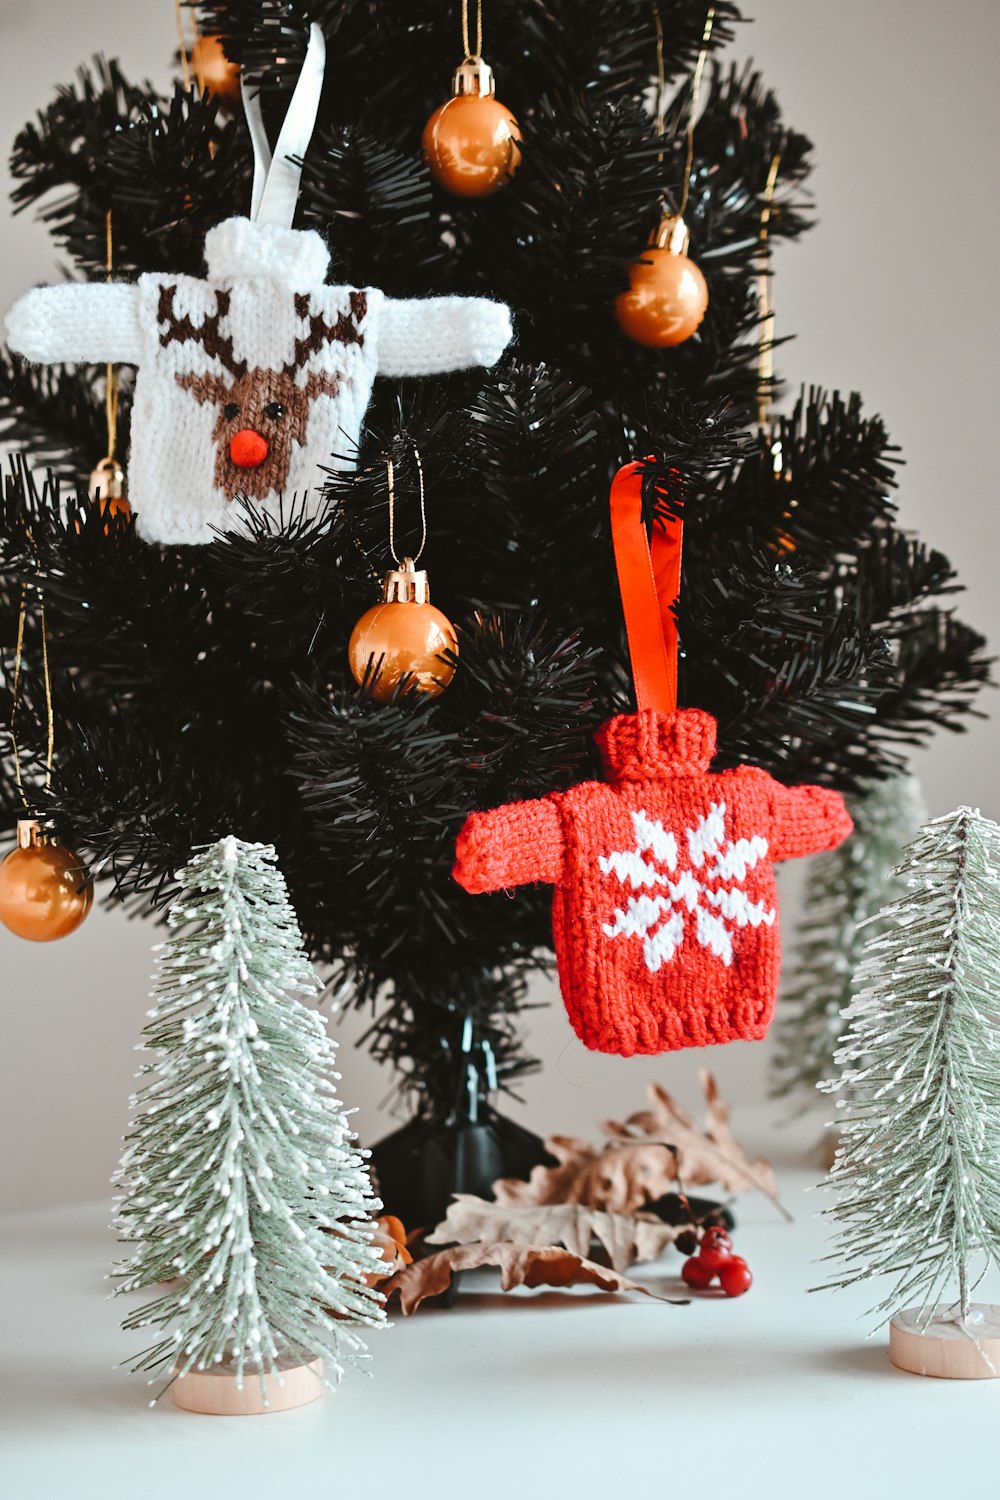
(945,1348)
(826,1148)
(215,1393)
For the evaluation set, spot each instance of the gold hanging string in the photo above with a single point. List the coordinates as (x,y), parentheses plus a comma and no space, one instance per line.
(390,470)
(765,302)
(15,685)
(14,690)
(661,97)
(185,59)
(469,52)
(111,375)
(661,79)
(699,69)
(46,678)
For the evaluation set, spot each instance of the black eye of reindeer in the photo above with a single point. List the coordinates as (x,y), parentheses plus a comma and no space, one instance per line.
(231,410)
(274,410)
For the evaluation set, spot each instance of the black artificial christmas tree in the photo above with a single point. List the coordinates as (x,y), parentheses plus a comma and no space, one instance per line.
(205,690)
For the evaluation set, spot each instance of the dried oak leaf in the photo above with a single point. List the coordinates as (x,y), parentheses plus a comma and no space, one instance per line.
(626,1238)
(519,1266)
(710,1155)
(619,1178)
(389,1238)
(648,1155)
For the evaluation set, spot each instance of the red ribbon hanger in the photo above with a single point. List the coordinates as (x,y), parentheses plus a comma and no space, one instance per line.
(649,577)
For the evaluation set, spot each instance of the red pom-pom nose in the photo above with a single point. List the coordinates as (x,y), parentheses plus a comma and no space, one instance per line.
(248,449)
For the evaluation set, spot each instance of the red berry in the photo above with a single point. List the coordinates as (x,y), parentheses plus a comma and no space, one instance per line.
(716,1248)
(696,1273)
(735,1277)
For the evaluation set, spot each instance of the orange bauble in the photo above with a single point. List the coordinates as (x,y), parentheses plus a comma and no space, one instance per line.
(116,506)
(107,489)
(472,143)
(404,636)
(44,889)
(668,297)
(213,70)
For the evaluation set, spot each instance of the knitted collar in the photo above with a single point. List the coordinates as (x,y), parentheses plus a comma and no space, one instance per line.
(648,746)
(240,250)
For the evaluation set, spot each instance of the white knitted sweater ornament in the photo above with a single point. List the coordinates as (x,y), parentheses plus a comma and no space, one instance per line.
(253,379)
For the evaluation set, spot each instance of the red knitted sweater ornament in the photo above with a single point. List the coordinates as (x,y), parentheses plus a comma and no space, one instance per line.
(665,913)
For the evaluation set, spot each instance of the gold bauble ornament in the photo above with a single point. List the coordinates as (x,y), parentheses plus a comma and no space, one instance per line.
(668,296)
(107,488)
(45,892)
(213,70)
(783,542)
(404,636)
(472,142)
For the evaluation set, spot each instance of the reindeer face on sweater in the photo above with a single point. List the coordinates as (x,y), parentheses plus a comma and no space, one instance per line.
(258,379)
(260,413)
(254,379)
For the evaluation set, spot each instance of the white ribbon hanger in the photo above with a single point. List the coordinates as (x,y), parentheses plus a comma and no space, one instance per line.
(276,179)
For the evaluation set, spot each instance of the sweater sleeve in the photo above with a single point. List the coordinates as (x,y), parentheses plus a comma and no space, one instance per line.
(806,820)
(83,322)
(429,335)
(510,846)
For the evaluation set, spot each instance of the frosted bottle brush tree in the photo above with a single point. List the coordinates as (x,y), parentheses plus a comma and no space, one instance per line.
(240,1183)
(916,1176)
(844,892)
(203,689)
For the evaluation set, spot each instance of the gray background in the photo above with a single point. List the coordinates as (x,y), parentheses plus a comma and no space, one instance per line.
(893,294)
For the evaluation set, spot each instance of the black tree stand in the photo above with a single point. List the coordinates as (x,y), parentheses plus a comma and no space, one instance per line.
(422,1165)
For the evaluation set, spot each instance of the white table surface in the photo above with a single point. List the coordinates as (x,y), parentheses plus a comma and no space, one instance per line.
(534,1394)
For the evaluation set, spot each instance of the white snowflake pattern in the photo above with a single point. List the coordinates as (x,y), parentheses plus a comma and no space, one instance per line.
(700,879)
